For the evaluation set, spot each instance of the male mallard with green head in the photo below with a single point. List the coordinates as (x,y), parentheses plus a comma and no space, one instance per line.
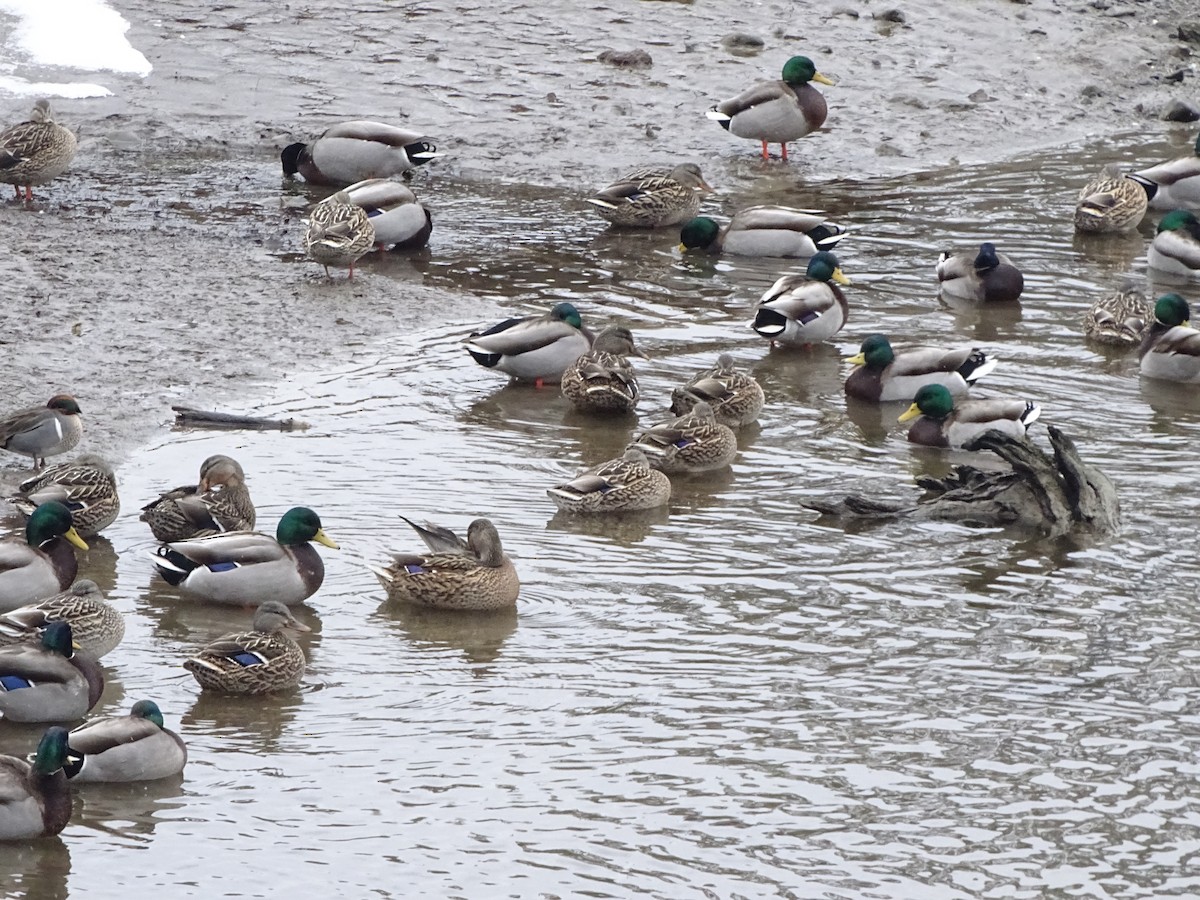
(247,568)
(1171,348)
(355,151)
(799,310)
(41,563)
(762,231)
(775,112)
(48,681)
(533,348)
(881,374)
(944,422)
(1175,250)
(136,747)
(35,800)
(1175,184)
(399,219)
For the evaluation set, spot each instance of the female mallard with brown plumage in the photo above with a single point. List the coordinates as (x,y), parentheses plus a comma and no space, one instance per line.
(1119,320)
(86,486)
(1175,184)
(775,112)
(1171,349)
(338,233)
(95,625)
(118,749)
(602,380)
(253,662)
(36,151)
(881,374)
(47,681)
(762,231)
(35,800)
(986,276)
(799,310)
(652,198)
(246,568)
(735,397)
(220,502)
(618,485)
(474,574)
(694,442)
(42,563)
(944,422)
(1111,202)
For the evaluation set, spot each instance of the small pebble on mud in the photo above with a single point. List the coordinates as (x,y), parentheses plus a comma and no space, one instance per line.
(741,44)
(892,15)
(1189,30)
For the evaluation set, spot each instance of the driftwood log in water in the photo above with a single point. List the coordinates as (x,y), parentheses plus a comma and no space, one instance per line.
(1054,495)
(186,417)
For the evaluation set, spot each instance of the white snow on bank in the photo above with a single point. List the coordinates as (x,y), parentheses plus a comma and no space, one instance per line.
(69,34)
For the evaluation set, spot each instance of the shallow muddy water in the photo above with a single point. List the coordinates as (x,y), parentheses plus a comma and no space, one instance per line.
(727,698)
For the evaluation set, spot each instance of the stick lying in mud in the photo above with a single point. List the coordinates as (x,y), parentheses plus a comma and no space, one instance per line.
(186,417)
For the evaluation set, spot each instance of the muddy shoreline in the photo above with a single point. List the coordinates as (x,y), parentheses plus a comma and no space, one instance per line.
(164,268)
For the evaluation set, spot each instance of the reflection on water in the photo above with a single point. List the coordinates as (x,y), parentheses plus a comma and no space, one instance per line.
(726,696)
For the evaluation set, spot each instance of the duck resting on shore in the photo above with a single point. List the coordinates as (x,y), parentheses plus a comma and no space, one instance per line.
(1052,494)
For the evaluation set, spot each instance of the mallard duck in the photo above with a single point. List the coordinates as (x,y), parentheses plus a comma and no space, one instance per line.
(775,112)
(735,397)
(86,486)
(762,231)
(466,575)
(798,310)
(986,276)
(36,151)
(881,374)
(95,625)
(220,502)
(695,442)
(618,485)
(1171,349)
(43,431)
(41,564)
(48,681)
(35,800)
(355,151)
(338,233)
(1111,202)
(1175,184)
(533,348)
(399,219)
(1121,319)
(253,662)
(941,422)
(602,380)
(248,568)
(651,198)
(1175,249)
(136,747)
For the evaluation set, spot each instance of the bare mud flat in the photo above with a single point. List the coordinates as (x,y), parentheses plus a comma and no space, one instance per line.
(165,268)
